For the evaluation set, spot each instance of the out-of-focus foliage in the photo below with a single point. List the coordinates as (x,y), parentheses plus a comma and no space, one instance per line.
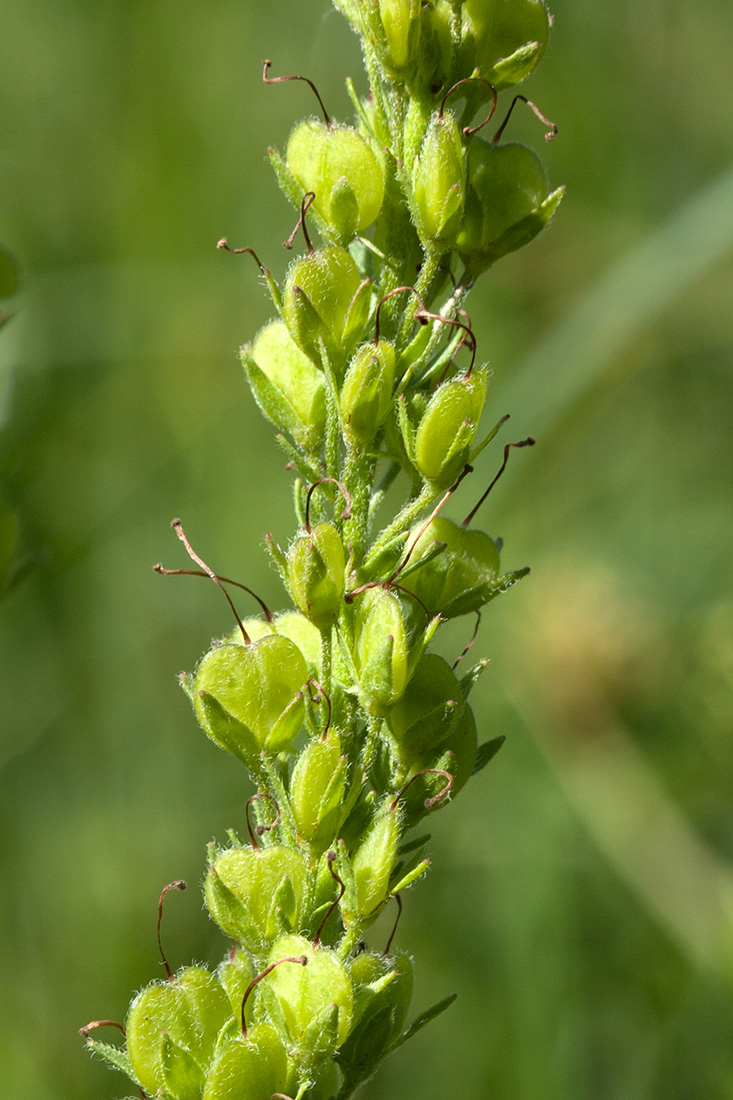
(580,901)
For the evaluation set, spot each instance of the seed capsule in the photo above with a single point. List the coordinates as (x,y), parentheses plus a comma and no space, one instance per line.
(448,427)
(374,860)
(507,205)
(256,895)
(504,39)
(317,789)
(438,180)
(343,171)
(366,395)
(248,1069)
(172,1030)
(311,1006)
(248,698)
(326,299)
(381,650)
(286,385)
(400,21)
(316,573)
(383,993)
(455,582)
(429,709)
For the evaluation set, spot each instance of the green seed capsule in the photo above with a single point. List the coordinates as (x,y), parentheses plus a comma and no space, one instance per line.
(366,395)
(317,790)
(428,711)
(400,21)
(326,299)
(374,860)
(311,1006)
(256,895)
(172,1030)
(438,180)
(455,755)
(455,582)
(343,171)
(286,385)
(505,38)
(316,573)
(507,205)
(248,698)
(248,1069)
(381,650)
(448,427)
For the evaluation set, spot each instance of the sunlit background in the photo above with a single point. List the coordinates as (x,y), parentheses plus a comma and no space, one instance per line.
(581,898)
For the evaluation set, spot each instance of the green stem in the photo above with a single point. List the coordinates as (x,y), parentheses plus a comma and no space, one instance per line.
(399,525)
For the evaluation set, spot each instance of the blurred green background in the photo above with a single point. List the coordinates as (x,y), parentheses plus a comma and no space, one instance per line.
(582,892)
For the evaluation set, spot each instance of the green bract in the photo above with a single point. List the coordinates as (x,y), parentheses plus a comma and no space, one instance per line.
(326,301)
(249,698)
(343,171)
(286,385)
(507,205)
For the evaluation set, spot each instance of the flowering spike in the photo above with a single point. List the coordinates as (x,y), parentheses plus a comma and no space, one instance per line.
(349,723)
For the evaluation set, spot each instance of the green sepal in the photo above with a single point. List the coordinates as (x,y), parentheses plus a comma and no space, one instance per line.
(116,1056)
(223,730)
(254,894)
(469,681)
(182,1074)
(486,752)
(407,877)
(424,1019)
